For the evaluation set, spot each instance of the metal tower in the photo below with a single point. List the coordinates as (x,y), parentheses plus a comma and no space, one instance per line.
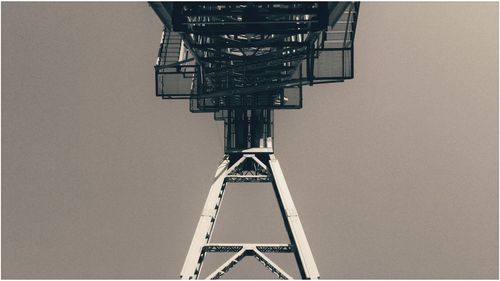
(241,61)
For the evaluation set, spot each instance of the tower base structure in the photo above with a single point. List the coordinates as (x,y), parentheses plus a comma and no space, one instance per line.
(250,165)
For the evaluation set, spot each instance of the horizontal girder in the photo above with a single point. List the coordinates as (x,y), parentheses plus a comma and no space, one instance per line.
(265,248)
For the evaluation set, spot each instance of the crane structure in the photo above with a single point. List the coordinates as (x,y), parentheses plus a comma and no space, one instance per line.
(241,61)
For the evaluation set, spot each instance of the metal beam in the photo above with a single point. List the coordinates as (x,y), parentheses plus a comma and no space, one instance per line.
(305,259)
(269,264)
(230,263)
(194,259)
(164,11)
(336,10)
(234,247)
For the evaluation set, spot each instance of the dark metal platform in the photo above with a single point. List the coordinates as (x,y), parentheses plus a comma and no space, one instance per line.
(224,55)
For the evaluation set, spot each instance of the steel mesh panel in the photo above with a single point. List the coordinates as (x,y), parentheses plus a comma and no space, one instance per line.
(292,98)
(285,98)
(333,64)
(175,69)
(203,104)
(174,84)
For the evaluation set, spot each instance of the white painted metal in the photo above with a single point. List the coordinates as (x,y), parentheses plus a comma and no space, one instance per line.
(249,250)
(280,273)
(297,235)
(200,244)
(225,267)
(254,149)
(192,267)
(235,247)
(258,161)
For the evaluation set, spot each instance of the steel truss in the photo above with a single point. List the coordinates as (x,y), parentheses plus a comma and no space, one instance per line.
(241,61)
(214,51)
(251,167)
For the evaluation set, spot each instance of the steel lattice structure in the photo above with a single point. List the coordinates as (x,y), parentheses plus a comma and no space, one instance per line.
(241,61)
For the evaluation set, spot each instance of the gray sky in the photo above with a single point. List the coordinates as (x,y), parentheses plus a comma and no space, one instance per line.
(394,174)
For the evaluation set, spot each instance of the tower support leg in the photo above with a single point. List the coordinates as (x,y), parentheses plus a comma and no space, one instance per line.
(267,168)
(303,253)
(194,259)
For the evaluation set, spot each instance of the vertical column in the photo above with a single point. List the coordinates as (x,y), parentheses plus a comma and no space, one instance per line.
(194,258)
(305,259)
(257,128)
(248,129)
(241,129)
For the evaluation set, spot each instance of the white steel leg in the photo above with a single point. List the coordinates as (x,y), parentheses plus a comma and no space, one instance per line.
(194,259)
(193,262)
(307,265)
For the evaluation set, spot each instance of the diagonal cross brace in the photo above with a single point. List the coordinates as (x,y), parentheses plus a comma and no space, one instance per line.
(269,264)
(249,250)
(230,263)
